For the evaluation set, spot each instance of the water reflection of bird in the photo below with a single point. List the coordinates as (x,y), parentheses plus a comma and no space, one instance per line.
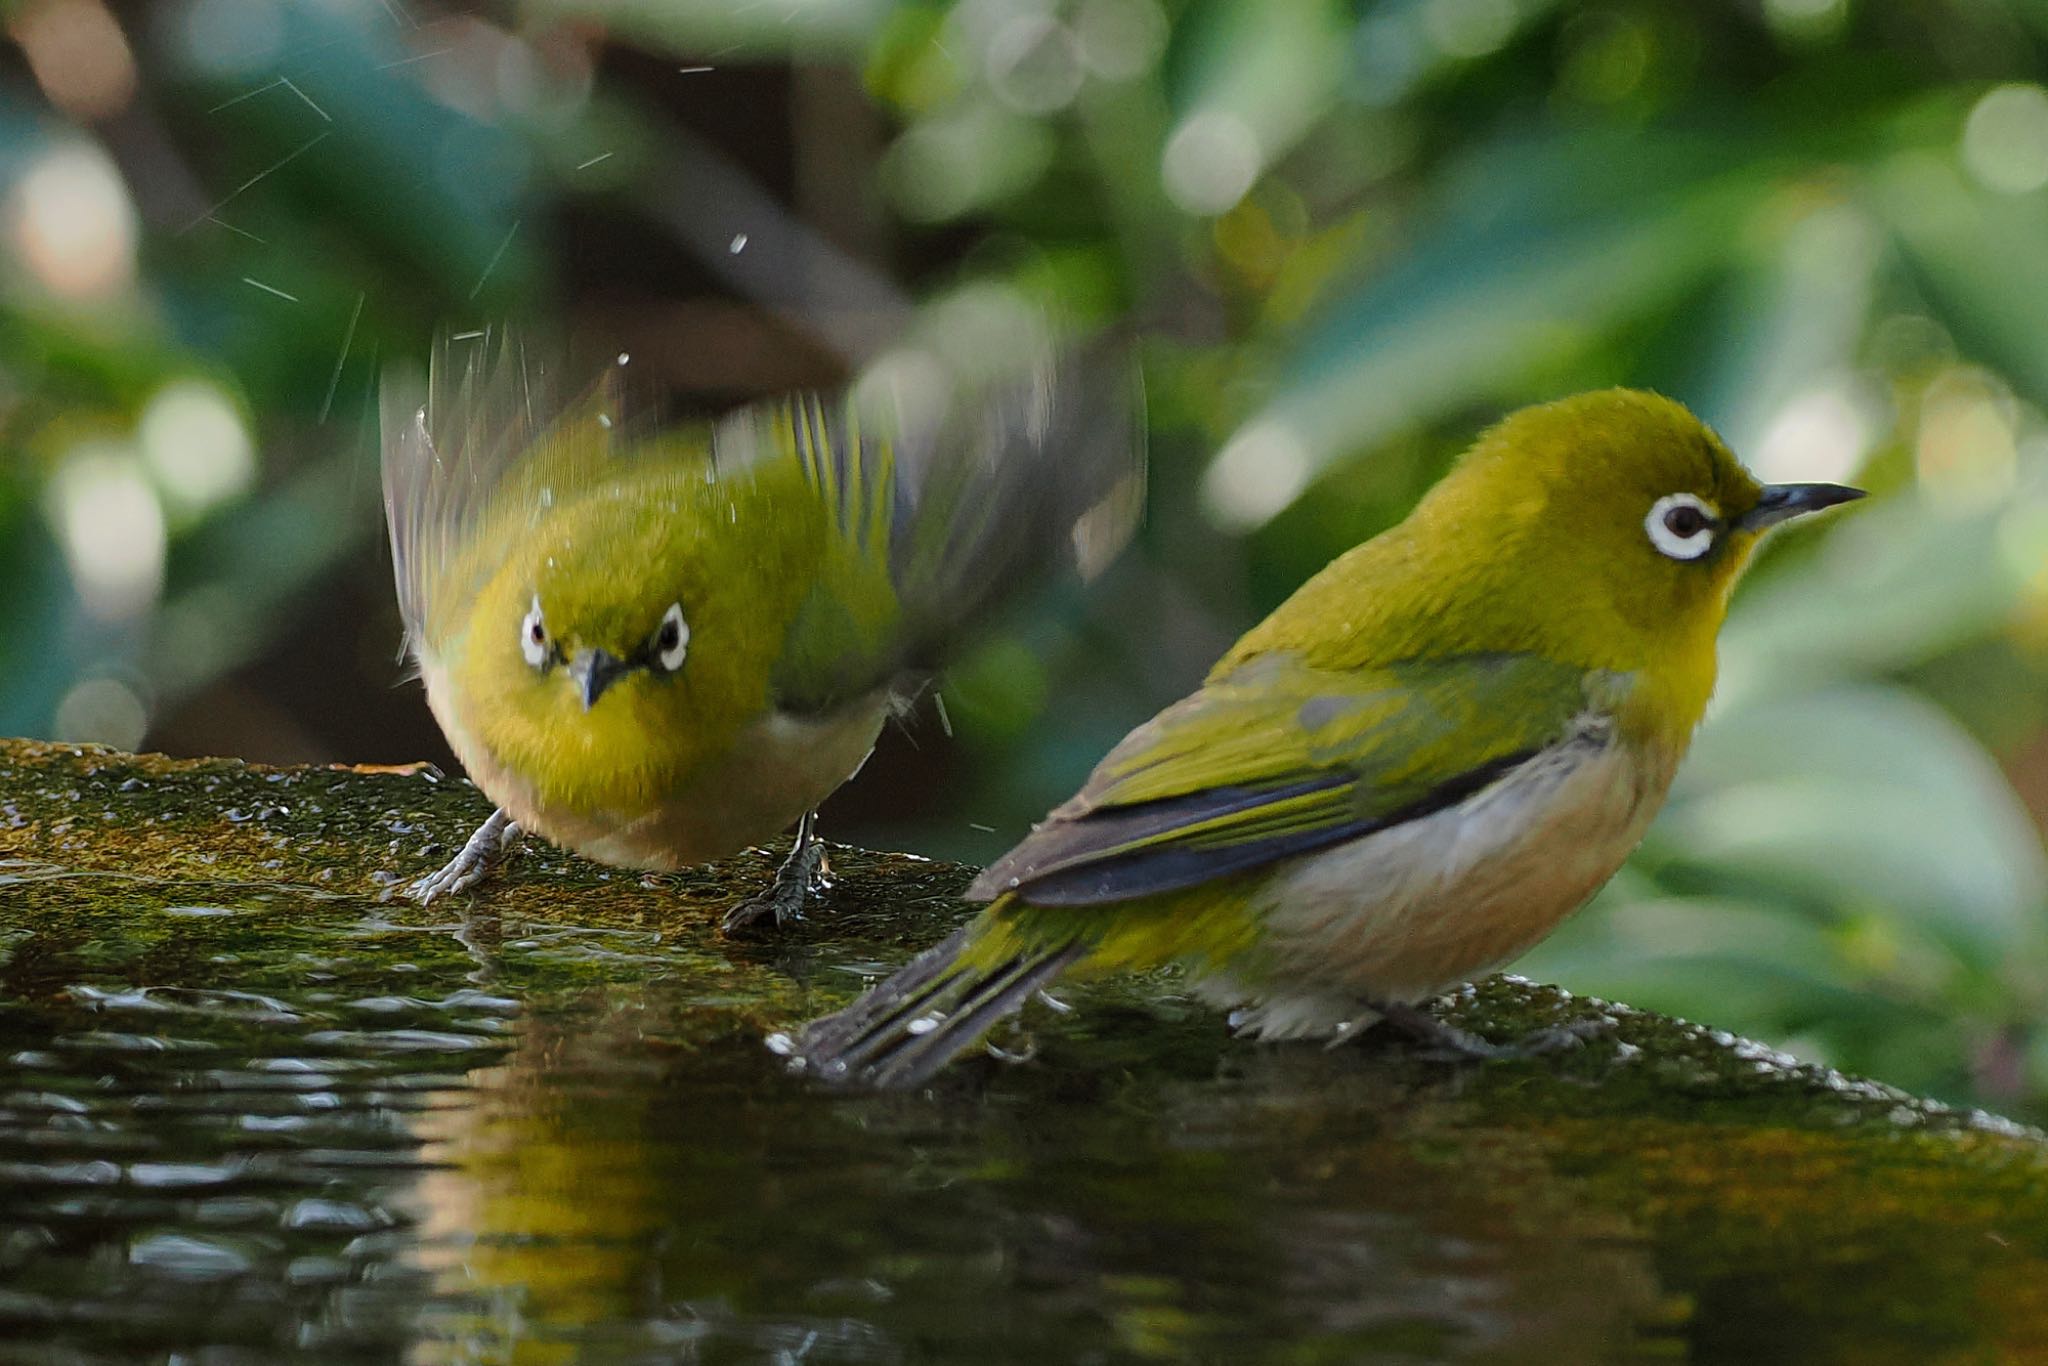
(659,647)
(1412,771)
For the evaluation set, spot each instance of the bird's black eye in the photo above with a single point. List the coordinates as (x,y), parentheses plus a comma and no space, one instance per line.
(1682,526)
(533,637)
(672,639)
(1685,521)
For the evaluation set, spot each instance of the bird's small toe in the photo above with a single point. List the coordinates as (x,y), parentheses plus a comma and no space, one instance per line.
(801,876)
(477,859)
(1443,1042)
(769,910)
(459,876)
(1559,1038)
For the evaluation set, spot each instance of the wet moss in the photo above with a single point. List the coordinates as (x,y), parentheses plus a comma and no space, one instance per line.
(96,832)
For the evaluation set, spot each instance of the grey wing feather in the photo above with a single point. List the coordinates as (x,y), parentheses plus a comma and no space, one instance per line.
(994,477)
(1118,853)
(1023,473)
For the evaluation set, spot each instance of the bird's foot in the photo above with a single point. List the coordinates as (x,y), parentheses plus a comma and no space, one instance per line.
(1448,1043)
(485,850)
(801,874)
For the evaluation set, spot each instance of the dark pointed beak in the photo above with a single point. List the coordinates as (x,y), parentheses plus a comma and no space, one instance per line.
(1782,502)
(593,671)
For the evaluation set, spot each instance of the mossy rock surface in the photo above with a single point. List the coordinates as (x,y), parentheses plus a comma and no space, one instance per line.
(248,1103)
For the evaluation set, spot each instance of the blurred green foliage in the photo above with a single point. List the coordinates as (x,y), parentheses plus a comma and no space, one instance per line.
(1350,234)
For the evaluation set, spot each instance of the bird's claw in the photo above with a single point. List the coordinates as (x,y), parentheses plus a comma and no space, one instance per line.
(1565,1037)
(1466,1046)
(782,901)
(1448,1043)
(479,857)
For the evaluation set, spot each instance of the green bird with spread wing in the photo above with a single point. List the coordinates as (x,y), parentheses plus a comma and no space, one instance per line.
(657,647)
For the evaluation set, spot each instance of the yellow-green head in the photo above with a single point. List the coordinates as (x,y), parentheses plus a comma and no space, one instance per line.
(630,634)
(1605,530)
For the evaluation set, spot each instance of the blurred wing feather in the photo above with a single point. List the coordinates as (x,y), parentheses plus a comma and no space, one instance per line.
(952,494)
(484,437)
(948,488)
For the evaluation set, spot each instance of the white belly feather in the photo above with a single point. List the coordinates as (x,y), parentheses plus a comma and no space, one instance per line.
(781,767)
(1402,914)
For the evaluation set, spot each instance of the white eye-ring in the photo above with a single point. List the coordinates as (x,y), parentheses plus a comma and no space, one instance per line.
(1682,525)
(533,636)
(672,641)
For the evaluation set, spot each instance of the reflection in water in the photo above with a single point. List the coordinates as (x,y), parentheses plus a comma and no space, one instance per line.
(607,1182)
(185,1163)
(575,1200)
(280,1124)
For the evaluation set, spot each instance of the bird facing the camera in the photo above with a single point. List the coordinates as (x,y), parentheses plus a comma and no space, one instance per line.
(656,647)
(1414,769)
(606,715)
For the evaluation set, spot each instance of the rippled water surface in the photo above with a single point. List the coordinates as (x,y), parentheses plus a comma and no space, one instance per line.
(269,1124)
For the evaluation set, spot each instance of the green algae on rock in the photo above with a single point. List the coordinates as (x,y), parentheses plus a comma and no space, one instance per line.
(249,1104)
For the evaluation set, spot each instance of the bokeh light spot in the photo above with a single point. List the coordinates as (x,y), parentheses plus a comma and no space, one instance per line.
(1034,64)
(907,386)
(107,518)
(986,328)
(1966,455)
(195,445)
(1468,28)
(72,223)
(1256,475)
(2005,139)
(1120,40)
(943,168)
(1821,435)
(1806,19)
(101,711)
(1210,162)
(78,54)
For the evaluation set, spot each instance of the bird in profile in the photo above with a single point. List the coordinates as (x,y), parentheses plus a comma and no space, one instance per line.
(657,646)
(1412,771)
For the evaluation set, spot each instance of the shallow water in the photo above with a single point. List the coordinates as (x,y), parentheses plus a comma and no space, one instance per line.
(250,1122)
(310,1128)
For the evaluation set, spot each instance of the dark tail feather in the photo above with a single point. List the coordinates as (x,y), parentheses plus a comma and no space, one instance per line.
(903,1031)
(830,1035)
